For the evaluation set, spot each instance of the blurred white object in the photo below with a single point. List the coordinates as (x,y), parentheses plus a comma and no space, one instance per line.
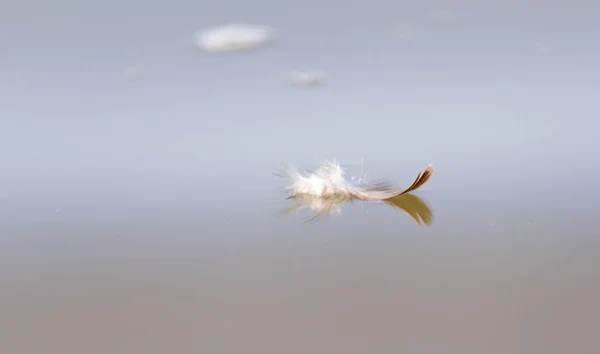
(134,73)
(307,78)
(405,31)
(443,18)
(233,37)
(543,47)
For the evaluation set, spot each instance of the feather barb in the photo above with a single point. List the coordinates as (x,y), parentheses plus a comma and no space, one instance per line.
(421,179)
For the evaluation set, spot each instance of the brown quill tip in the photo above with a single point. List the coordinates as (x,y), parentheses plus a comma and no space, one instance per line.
(421,179)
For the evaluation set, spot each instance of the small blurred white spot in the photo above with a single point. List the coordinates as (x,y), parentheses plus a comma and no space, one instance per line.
(443,17)
(405,31)
(307,78)
(233,37)
(57,210)
(134,73)
(543,47)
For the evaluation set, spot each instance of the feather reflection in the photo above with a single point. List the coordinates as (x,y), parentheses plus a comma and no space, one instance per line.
(411,204)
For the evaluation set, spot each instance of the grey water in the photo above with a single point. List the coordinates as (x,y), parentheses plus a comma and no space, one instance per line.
(143,216)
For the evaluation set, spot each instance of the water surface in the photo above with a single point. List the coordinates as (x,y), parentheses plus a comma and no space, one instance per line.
(143,216)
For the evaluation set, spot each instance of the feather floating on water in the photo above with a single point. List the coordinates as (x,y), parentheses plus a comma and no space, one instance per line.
(328,181)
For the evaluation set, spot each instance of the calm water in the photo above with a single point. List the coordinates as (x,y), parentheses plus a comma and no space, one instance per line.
(144,216)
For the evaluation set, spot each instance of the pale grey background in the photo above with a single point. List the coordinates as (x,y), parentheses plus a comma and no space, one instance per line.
(139,216)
